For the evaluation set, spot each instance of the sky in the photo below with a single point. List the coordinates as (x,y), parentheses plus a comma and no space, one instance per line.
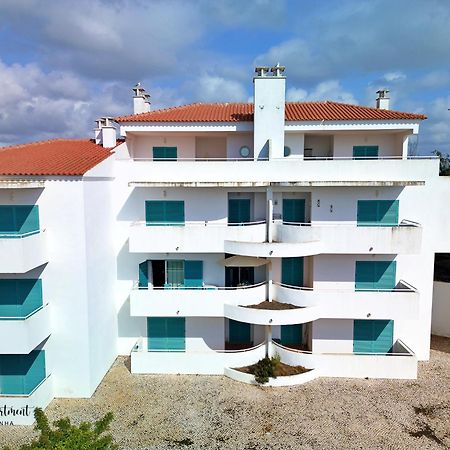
(65,63)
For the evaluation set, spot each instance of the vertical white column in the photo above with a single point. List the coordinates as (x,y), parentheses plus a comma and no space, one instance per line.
(405,147)
(269,215)
(269,350)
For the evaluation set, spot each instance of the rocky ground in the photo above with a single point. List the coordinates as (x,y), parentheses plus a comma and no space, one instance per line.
(201,412)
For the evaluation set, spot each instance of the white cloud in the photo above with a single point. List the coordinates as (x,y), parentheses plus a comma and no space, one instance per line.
(38,105)
(327,90)
(212,88)
(394,76)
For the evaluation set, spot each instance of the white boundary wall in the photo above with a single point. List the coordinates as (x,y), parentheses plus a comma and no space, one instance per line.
(440,320)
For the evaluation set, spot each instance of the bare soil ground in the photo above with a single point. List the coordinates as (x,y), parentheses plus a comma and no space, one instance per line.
(282,370)
(206,412)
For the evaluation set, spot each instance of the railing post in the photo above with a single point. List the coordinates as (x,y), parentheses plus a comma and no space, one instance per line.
(269,351)
(269,215)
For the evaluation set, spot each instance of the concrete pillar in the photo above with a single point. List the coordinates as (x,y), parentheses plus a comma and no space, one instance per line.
(269,215)
(268,343)
(405,147)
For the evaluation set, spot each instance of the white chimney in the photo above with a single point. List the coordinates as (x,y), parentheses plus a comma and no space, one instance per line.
(147,102)
(140,100)
(105,132)
(269,103)
(383,99)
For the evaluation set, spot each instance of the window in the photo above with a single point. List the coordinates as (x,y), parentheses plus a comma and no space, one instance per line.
(175,273)
(377,213)
(20,297)
(21,374)
(164,212)
(165,153)
(292,271)
(373,336)
(375,275)
(293,210)
(287,150)
(166,334)
(365,151)
(291,335)
(187,274)
(238,211)
(19,219)
(244,151)
(239,332)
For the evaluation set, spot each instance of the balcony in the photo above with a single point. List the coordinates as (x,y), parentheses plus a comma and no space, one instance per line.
(192,237)
(400,363)
(406,238)
(284,171)
(20,253)
(20,335)
(211,362)
(19,409)
(208,301)
(400,303)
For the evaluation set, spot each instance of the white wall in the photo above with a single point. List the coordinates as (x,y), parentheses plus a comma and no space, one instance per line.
(142,146)
(236,141)
(296,142)
(210,147)
(440,322)
(388,144)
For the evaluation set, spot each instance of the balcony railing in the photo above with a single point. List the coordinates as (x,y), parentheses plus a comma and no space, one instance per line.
(20,253)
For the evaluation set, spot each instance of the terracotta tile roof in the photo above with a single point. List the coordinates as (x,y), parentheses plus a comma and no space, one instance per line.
(70,157)
(243,112)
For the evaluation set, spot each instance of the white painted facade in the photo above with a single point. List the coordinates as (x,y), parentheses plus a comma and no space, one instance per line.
(96,236)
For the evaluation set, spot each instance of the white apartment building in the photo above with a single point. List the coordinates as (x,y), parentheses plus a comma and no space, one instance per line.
(213,235)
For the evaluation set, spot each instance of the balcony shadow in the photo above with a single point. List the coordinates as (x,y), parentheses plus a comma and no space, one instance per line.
(440,343)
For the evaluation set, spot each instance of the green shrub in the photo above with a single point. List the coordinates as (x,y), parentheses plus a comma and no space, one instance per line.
(266,368)
(65,436)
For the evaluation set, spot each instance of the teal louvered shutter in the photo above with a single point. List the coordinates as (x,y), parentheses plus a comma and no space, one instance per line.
(165,153)
(175,273)
(291,334)
(156,333)
(193,273)
(388,212)
(373,336)
(12,374)
(9,306)
(21,374)
(162,212)
(367,213)
(29,295)
(143,274)
(174,213)
(293,210)
(375,275)
(176,331)
(238,210)
(292,271)
(364,275)
(239,332)
(385,275)
(7,220)
(20,297)
(34,370)
(166,333)
(365,151)
(154,212)
(27,219)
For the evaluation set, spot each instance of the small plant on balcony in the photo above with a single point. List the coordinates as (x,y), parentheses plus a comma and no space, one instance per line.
(71,437)
(266,368)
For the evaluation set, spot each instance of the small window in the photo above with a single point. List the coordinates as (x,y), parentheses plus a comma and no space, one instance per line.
(244,151)
(164,153)
(287,150)
(365,151)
